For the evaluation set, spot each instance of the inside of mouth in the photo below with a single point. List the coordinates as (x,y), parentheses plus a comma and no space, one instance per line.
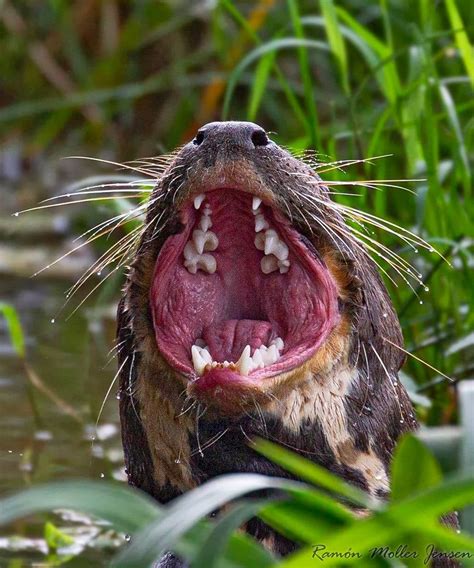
(239,289)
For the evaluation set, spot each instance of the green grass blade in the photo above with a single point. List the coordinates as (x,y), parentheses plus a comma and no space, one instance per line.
(462,41)
(336,40)
(311,472)
(15,328)
(187,510)
(255,54)
(305,71)
(213,547)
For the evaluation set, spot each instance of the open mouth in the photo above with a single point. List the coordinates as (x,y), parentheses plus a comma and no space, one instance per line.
(238,296)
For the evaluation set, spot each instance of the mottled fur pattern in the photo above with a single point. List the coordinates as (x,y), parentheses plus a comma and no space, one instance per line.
(344,408)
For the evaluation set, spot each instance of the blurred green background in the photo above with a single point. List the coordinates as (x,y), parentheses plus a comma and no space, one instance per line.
(122,80)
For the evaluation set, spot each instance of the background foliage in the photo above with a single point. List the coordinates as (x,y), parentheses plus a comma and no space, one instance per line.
(349,79)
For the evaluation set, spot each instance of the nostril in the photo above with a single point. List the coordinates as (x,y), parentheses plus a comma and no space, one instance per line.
(260,138)
(199,138)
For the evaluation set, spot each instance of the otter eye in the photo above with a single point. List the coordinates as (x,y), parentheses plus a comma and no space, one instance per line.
(198,140)
(260,138)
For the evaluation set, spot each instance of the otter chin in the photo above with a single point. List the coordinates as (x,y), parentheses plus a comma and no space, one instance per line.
(238,297)
(252,309)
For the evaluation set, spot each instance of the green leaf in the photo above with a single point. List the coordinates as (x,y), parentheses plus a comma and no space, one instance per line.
(255,54)
(460,35)
(15,329)
(213,547)
(262,73)
(101,499)
(336,40)
(311,472)
(406,480)
(55,538)
(188,509)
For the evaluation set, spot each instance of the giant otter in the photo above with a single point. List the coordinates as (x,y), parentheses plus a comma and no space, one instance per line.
(250,309)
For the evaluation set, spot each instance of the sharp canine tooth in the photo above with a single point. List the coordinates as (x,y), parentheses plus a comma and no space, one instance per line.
(199,361)
(245,363)
(256,203)
(269,264)
(260,223)
(198,200)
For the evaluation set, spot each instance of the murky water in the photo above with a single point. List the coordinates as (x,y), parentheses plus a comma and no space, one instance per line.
(50,432)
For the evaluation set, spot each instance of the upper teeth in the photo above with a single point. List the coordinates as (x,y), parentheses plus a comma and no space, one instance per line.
(202,240)
(276,252)
(267,240)
(262,357)
(256,201)
(198,200)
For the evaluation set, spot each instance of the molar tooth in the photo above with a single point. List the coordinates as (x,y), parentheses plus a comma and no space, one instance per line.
(268,264)
(284,266)
(190,252)
(205,223)
(256,201)
(278,342)
(205,240)
(198,200)
(207,263)
(260,223)
(245,363)
(259,241)
(271,239)
(274,245)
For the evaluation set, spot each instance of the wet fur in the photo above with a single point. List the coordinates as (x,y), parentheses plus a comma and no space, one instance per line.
(343,409)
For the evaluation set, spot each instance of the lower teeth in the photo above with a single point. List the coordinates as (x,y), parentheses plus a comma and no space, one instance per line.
(262,357)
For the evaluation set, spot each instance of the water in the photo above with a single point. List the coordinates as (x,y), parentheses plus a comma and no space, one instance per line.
(40,441)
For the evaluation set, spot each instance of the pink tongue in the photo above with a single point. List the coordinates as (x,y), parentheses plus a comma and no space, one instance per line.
(227,339)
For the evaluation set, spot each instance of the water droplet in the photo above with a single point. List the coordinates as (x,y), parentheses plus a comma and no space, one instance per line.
(16,214)
(102,475)
(117,396)
(431,249)
(177,460)
(128,538)
(402,421)
(416,251)
(458,531)
(385,315)
(53,320)
(421,302)
(409,271)
(10,451)
(99,273)
(427,289)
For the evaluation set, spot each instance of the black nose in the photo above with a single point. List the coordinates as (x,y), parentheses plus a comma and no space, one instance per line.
(231,134)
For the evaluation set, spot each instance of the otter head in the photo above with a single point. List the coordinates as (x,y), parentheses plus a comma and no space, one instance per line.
(248,287)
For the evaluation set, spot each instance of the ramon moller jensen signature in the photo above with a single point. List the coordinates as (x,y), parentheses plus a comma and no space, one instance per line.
(402,552)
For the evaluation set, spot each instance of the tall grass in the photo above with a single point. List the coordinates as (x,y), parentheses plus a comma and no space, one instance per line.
(349,79)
